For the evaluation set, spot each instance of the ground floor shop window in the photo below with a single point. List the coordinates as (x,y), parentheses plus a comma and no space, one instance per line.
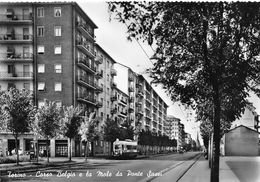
(43,148)
(61,148)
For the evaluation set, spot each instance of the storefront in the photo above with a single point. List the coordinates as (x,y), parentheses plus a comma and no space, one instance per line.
(61,148)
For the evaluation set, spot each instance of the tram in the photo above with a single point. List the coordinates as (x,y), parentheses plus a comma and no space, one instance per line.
(126,148)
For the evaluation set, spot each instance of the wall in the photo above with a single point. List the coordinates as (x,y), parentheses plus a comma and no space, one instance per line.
(241,142)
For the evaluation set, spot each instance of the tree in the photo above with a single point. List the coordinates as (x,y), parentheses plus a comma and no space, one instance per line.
(111,132)
(71,123)
(84,131)
(47,122)
(126,131)
(205,52)
(16,113)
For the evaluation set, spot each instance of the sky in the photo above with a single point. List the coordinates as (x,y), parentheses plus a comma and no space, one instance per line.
(112,37)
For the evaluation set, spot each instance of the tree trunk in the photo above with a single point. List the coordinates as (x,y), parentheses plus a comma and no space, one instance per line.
(214,177)
(86,151)
(70,149)
(47,150)
(16,150)
(111,148)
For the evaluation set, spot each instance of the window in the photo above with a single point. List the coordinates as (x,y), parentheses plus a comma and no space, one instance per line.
(57,12)
(40,12)
(40,104)
(107,63)
(57,86)
(58,104)
(57,31)
(41,86)
(108,77)
(41,68)
(57,49)
(57,68)
(40,49)
(40,31)
(107,104)
(26,86)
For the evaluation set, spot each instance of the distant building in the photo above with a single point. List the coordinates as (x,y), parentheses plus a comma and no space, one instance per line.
(240,141)
(171,127)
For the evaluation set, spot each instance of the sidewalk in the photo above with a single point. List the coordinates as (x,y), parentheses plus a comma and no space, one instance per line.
(232,169)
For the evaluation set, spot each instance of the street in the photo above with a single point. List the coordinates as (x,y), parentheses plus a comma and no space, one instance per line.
(148,169)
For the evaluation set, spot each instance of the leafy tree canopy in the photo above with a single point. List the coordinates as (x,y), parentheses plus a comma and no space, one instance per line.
(16,110)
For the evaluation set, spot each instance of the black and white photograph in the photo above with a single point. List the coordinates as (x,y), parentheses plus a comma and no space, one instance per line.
(129,91)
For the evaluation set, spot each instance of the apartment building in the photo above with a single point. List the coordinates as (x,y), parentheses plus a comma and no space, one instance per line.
(49,48)
(172,127)
(147,110)
(181,137)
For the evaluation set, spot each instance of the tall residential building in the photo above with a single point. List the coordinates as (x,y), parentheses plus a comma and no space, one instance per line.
(49,48)
(172,127)
(147,110)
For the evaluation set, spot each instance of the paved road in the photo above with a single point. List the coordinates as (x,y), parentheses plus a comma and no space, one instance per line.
(108,170)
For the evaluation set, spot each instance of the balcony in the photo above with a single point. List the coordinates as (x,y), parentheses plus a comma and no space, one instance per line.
(140,93)
(99,89)
(99,74)
(85,82)
(113,72)
(114,98)
(138,103)
(131,99)
(83,28)
(131,78)
(123,114)
(148,116)
(123,102)
(82,97)
(99,104)
(138,84)
(16,76)
(140,112)
(114,111)
(131,89)
(11,18)
(98,60)
(85,48)
(15,38)
(84,64)
(12,57)
(113,85)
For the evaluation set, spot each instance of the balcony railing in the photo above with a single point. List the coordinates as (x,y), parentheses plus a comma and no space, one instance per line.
(86,98)
(131,110)
(83,28)
(84,46)
(114,111)
(16,75)
(86,65)
(99,74)
(99,60)
(131,78)
(99,104)
(11,17)
(14,38)
(113,72)
(16,57)
(113,85)
(86,82)
(98,88)
(114,98)
(131,99)
(131,89)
